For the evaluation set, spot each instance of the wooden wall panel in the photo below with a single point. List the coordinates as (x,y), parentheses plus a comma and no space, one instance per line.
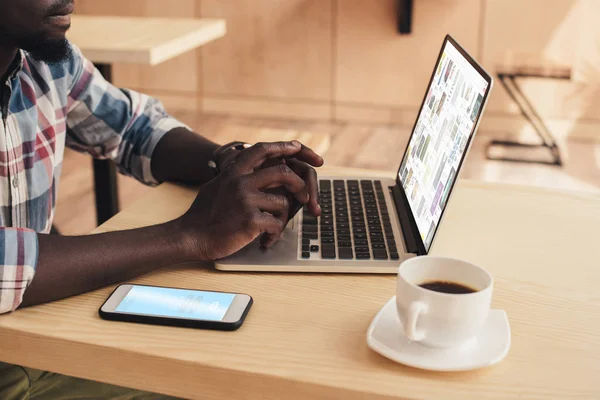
(275,49)
(549,28)
(375,65)
(343,59)
(265,107)
(177,75)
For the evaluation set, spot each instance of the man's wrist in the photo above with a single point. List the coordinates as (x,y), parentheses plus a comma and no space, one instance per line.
(188,243)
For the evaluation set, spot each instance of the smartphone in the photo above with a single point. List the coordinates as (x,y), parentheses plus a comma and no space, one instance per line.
(176,307)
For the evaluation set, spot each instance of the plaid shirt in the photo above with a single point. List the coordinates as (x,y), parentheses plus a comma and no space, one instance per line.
(44,108)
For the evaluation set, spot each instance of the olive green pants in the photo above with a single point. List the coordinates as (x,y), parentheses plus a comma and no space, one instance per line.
(18,383)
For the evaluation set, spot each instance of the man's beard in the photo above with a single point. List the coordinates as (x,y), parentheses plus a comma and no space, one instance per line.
(49,51)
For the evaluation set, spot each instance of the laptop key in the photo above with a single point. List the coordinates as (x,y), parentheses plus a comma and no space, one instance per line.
(305,241)
(310,228)
(305,247)
(327,228)
(345,253)
(326,234)
(380,254)
(363,256)
(378,246)
(327,241)
(361,249)
(308,235)
(309,220)
(394,256)
(344,243)
(360,242)
(324,183)
(328,251)
(305,254)
(314,248)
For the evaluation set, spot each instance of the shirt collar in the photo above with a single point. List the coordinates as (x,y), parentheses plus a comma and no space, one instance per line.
(16,66)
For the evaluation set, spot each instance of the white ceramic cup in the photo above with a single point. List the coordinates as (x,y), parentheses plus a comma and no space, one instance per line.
(438,319)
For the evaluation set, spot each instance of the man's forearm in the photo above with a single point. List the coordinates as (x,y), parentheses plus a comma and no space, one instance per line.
(77,264)
(182,156)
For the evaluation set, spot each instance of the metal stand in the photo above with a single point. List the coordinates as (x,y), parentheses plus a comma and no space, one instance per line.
(105,174)
(527,110)
(405,11)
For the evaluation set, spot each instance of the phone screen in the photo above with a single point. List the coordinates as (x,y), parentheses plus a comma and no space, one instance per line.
(176,303)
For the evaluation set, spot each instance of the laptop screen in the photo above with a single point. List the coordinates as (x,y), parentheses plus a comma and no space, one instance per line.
(440,138)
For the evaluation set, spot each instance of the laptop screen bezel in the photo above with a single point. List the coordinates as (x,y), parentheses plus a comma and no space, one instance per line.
(421,248)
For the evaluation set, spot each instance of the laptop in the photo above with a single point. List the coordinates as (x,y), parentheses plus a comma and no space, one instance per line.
(369,225)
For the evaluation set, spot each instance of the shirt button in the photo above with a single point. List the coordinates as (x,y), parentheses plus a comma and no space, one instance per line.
(15,182)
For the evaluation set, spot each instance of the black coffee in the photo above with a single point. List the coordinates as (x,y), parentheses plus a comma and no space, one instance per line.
(447,287)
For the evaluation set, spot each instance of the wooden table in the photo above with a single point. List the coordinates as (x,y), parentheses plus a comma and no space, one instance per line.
(305,337)
(151,41)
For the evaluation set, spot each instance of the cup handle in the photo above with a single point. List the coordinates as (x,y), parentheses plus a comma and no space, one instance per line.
(410,329)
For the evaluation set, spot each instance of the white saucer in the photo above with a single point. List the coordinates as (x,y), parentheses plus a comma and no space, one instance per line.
(386,337)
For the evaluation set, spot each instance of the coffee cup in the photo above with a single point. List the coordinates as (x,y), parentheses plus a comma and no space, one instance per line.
(442,302)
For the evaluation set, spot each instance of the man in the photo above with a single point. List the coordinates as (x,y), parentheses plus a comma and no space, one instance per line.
(50,95)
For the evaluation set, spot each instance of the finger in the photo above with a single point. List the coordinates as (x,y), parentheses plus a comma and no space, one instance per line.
(228,159)
(311,181)
(256,155)
(275,204)
(271,163)
(307,155)
(270,228)
(281,175)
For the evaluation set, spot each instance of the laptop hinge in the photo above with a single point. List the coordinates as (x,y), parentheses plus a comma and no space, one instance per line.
(409,232)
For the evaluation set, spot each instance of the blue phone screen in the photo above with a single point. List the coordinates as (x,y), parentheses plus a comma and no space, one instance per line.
(177,303)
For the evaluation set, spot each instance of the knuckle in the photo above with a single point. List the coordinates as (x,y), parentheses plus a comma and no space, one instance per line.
(229,174)
(250,221)
(281,202)
(301,184)
(239,184)
(283,145)
(262,147)
(248,206)
(254,221)
(284,170)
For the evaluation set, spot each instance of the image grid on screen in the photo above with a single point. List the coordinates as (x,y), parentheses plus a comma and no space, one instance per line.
(440,138)
(176,303)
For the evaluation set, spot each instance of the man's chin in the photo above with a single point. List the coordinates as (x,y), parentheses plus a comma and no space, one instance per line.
(49,51)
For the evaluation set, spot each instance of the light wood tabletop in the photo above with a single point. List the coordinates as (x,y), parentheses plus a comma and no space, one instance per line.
(305,337)
(141,40)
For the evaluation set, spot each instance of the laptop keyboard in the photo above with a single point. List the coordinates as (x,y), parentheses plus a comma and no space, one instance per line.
(355,223)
